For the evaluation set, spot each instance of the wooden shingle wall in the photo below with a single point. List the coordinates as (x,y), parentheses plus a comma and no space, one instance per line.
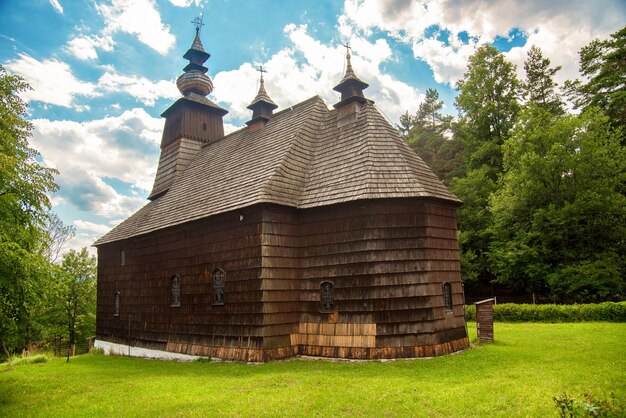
(387,261)
(192,251)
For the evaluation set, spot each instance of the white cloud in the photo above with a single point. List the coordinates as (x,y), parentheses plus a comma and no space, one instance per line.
(56,6)
(187,3)
(559,27)
(84,47)
(142,89)
(88,226)
(309,67)
(52,81)
(89,154)
(447,62)
(140,18)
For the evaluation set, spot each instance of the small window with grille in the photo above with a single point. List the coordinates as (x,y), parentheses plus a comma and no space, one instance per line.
(175,291)
(218,287)
(327,297)
(116,304)
(447,296)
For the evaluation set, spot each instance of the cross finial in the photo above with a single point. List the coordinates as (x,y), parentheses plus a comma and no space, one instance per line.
(197,22)
(261,70)
(348,48)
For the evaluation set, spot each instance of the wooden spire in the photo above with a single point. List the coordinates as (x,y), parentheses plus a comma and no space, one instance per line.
(262,105)
(351,87)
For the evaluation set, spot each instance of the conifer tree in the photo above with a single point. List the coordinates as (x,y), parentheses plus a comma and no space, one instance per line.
(540,89)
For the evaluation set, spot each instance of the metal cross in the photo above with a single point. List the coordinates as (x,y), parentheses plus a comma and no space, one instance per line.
(261,70)
(197,22)
(347,46)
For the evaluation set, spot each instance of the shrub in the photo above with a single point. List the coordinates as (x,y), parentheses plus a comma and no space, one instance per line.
(511,312)
(570,407)
(18,361)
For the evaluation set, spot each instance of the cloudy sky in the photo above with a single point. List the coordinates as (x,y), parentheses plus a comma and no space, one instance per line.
(102,71)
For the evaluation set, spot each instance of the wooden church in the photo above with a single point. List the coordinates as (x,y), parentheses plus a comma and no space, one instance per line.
(308,232)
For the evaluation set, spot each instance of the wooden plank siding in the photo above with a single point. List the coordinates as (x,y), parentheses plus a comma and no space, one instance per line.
(387,260)
(192,251)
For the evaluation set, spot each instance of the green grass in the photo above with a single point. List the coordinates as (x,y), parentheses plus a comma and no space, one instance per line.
(516,376)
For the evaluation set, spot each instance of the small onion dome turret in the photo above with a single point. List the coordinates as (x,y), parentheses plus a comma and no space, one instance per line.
(351,87)
(262,106)
(194,78)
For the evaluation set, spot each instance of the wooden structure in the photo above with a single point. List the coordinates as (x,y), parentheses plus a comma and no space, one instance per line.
(309,232)
(484,320)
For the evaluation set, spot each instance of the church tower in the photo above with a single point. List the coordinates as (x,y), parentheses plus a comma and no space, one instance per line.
(193,120)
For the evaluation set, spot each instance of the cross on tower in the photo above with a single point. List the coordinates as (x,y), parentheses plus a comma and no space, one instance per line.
(347,46)
(197,22)
(261,70)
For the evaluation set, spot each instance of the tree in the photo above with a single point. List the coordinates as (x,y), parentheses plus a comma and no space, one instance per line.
(24,204)
(76,293)
(603,65)
(57,236)
(488,107)
(540,89)
(429,136)
(406,123)
(559,217)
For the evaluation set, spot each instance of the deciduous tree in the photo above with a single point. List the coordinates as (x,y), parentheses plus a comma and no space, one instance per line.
(559,217)
(76,293)
(488,106)
(24,204)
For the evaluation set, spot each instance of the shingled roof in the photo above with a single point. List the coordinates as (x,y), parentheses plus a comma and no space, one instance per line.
(301,158)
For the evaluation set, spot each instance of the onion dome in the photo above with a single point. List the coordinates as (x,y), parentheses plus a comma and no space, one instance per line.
(194,78)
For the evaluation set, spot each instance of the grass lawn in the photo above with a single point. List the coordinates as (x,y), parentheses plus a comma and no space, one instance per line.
(516,376)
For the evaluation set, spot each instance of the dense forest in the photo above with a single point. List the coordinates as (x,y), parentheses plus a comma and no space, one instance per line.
(543,186)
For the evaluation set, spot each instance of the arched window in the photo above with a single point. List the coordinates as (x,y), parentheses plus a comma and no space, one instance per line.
(175,291)
(327,297)
(116,304)
(122,258)
(447,296)
(218,287)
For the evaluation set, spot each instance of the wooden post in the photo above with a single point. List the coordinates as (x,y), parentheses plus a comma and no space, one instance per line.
(484,320)
(129,316)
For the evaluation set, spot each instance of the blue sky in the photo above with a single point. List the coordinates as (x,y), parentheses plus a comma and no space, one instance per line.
(102,71)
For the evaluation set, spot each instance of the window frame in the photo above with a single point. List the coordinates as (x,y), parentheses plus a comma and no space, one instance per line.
(327,297)
(117,296)
(218,284)
(175,291)
(446,288)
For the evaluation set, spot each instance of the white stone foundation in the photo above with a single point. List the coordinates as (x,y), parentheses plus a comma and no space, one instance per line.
(122,350)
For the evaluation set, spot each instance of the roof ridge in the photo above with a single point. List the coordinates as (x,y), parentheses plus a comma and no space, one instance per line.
(310,121)
(279,113)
